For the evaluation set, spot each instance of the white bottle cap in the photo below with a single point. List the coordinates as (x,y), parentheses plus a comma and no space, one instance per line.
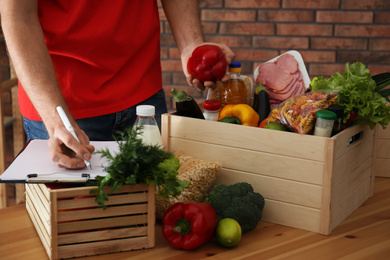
(145,110)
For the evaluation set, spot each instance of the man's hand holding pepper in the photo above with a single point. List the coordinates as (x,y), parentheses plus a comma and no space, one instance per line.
(207,63)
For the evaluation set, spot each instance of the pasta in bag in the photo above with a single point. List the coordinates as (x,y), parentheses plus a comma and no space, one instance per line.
(298,113)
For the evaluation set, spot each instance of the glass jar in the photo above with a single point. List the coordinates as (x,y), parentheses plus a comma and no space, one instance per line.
(324,123)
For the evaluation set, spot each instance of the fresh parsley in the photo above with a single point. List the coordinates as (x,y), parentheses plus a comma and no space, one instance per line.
(139,163)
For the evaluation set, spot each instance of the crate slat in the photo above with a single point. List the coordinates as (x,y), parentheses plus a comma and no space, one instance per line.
(114,200)
(294,192)
(252,161)
(85,191)
(38,224)
(100,235)
(82,214)
(104,247)
(265,140)
(44,215)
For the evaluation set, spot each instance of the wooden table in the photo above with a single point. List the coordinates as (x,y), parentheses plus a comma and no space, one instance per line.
(363,235)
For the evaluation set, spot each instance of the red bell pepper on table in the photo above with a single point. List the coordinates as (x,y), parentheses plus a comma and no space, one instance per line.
(188,225)
(207,63)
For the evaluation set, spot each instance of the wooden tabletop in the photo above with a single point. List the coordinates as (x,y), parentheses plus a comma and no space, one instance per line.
(363,235)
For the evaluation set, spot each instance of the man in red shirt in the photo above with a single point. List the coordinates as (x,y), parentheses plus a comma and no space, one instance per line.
(97,59)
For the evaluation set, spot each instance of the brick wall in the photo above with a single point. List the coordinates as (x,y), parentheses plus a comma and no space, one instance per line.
(327,33)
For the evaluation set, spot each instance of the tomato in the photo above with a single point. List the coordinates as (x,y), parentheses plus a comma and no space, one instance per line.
(207,63)
(263,123)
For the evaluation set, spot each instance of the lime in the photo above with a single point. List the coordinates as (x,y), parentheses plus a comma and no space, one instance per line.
(228,232)
(276,126)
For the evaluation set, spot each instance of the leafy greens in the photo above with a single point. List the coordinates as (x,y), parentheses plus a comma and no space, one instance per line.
(138,163)
(357,92)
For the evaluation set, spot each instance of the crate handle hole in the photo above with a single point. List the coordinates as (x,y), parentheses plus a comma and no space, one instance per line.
(355,138)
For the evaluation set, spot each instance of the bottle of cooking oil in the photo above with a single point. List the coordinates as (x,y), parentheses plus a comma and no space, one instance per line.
(234,91)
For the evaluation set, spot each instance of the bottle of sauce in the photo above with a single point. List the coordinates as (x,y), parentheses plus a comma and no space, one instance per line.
(324,123)
(211,108)
(234,91)
(150,132)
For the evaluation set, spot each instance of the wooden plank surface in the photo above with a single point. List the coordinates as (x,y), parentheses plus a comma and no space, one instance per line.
(243,137)
(365,234)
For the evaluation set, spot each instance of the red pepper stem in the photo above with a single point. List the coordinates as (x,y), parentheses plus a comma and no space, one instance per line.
(182,226)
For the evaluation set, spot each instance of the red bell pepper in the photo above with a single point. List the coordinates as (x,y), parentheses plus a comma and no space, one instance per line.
(207,63)
(188,225)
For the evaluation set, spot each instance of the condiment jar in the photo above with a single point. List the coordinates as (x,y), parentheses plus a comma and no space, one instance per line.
(211,108)
(150,132)
(324,123)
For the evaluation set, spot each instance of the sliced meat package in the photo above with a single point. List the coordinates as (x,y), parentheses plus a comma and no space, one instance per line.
(284,76)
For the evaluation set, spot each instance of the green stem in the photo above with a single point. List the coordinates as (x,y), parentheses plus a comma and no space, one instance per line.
(180,95)
(183,227)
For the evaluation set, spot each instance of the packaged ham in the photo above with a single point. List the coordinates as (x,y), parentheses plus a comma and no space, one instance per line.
(298,113)
(284,76)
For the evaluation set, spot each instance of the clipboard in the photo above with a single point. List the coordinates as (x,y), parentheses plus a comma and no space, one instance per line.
(33,165)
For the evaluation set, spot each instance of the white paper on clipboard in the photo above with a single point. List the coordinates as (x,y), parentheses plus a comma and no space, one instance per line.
(35,159)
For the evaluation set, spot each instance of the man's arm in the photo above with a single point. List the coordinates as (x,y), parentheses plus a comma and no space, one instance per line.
(184,18)
(28,51)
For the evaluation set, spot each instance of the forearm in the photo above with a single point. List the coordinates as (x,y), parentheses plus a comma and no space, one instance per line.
(184,19)
(31,59)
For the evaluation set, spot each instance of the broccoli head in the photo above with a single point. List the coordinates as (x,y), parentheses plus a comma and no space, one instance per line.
(237,201)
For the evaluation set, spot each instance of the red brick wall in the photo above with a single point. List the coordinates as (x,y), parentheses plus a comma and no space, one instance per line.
(327,33)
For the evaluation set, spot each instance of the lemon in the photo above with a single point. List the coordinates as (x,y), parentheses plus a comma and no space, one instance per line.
(228,232)
(276,126)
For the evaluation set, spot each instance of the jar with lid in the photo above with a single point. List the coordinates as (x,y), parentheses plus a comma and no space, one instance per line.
(324,123)
(234,90)
(150,132)
(211,108)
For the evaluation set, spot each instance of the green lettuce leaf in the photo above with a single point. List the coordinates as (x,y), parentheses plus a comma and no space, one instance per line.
(356,91)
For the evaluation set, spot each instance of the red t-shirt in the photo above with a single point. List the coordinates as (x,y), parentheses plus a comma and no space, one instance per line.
(106,54)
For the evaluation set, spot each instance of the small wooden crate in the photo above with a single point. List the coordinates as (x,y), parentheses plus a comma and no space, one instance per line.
(309,182)
(70,223)
(382,159)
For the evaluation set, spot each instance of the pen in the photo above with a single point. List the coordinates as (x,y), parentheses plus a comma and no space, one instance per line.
(70,129)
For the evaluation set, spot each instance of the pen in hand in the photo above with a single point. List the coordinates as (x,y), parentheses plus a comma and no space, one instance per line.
(70,129)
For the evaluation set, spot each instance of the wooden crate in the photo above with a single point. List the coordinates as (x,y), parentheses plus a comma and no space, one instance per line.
(70,223)
(382,159)
(309,182)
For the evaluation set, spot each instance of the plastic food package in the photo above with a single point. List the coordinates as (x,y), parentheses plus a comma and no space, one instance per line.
(201,174)
(283,76)
(298,113)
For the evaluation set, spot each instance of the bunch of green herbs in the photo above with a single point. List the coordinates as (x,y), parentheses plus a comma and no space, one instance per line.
(138,163)
(357,92)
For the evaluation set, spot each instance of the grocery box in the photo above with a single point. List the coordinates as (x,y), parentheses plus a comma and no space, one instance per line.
(382,159)
(309,182)
(70,223)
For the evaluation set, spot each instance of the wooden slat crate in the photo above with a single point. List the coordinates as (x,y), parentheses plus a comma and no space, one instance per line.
(309,182)
(70,223)
(382,160)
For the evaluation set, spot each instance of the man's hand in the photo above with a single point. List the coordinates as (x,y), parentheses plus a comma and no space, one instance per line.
(186,54)
(66,151)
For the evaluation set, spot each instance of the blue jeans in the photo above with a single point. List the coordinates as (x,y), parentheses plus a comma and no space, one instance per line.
(103,128)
